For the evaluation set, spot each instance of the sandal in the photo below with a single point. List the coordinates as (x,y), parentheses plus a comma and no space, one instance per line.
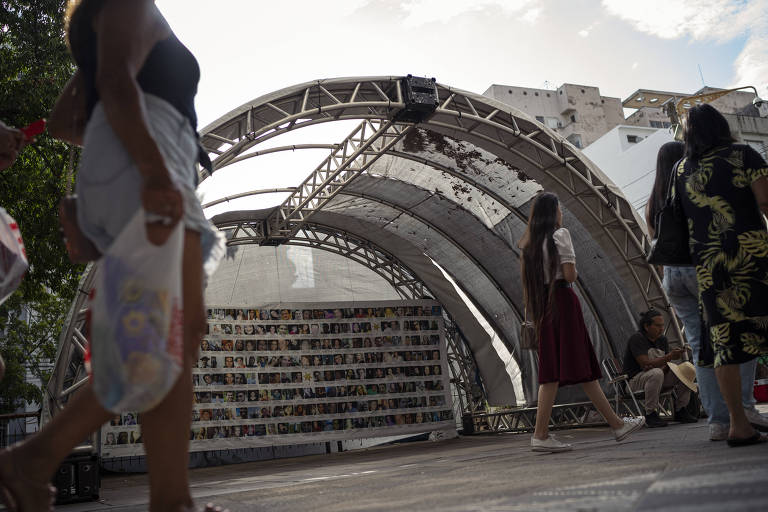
(755,438)
(39,496)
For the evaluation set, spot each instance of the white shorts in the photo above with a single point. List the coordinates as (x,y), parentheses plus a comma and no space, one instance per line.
(109,184)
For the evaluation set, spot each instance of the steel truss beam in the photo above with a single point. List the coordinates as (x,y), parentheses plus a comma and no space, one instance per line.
(502,201)
(326,238)
(490,124)
(355,154)
(69,369)
(69,372)
(581,414)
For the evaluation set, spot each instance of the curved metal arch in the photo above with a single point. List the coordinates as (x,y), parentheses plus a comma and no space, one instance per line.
(70,374)
(501,200)
(69,371)
(488,123)
(400,277)
(489,318)
(330,239)
(512,209)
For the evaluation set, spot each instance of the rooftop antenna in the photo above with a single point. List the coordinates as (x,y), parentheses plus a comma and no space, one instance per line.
(702,76)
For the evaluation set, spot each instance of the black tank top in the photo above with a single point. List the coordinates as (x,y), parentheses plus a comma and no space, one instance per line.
(170,71)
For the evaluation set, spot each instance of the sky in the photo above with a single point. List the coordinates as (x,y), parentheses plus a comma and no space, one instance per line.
(249,48)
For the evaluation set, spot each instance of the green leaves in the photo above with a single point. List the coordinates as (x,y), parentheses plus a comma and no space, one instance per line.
(34,66)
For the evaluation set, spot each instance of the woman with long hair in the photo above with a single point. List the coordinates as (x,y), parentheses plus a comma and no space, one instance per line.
(723,188)
(681,286)
(131,105)
(566,355)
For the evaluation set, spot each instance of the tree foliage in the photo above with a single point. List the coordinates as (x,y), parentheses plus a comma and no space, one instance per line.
(34,67)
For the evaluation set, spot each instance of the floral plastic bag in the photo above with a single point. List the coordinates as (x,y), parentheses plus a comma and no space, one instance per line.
(13,257)
(136,344)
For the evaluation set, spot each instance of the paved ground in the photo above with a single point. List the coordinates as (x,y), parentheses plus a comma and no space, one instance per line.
(671,469)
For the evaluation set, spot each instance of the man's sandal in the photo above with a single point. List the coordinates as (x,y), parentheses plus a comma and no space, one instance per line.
(755,438)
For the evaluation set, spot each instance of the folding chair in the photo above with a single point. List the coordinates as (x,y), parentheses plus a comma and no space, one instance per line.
(621,387)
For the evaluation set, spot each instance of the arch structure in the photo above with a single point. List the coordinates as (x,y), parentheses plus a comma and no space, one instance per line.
(457,185)
(436,204)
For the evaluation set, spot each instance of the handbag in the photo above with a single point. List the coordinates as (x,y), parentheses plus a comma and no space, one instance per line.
(79,247)
(136,309)
(528,338)
(670,247)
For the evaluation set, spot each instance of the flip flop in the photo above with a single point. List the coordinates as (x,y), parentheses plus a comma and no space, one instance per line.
(755,438)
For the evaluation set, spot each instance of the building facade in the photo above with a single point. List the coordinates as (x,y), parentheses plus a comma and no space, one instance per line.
(577,112)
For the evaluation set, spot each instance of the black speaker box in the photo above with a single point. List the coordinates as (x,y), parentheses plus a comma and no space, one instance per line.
(78,478)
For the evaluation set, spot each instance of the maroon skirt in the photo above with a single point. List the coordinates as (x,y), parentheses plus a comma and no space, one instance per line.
(565,350)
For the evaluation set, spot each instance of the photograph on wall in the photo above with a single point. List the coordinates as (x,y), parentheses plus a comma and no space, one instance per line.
(305,373)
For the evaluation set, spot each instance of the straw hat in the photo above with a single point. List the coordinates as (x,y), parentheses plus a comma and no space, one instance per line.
(686,373)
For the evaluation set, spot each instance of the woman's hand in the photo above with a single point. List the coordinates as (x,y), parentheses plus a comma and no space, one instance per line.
(164,206)
(11,142)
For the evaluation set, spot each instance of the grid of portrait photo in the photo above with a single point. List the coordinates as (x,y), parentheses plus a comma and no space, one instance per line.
(302,373)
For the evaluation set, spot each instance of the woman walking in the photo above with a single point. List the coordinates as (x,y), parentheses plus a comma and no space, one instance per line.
(131,106)
(682,289)
(566,355)
(723,188)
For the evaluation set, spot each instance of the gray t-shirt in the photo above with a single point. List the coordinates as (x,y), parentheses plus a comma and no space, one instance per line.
(639,344)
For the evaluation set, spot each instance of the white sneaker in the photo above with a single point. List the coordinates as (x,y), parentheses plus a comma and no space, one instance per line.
(718,431)
(630,425)
(550,444)
(757,420)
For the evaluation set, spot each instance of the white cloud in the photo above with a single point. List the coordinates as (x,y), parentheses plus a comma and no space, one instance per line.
(531,15)
(420,12)
(707,20)
(586,31)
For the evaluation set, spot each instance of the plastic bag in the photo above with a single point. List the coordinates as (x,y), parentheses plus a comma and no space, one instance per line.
(13,257)
(136,344)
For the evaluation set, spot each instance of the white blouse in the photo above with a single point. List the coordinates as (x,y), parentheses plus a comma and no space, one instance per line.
(565,253)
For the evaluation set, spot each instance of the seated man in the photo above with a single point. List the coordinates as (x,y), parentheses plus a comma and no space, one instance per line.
(646,365)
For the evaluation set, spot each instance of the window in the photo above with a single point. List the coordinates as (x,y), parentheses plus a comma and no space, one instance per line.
(547,95)
(657,124)
(535,94)
(552,122)
(575,139)
(634,139)
(525,93)
(540,119)
(573,118)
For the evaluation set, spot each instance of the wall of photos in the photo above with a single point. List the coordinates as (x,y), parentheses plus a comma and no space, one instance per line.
(305,373)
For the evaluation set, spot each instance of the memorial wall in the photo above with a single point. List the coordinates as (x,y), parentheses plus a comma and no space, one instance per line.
(307,373)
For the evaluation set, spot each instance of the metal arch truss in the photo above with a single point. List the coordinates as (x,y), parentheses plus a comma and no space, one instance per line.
(581,414)
(318,236)
(497,127)
(468,392)
(470,395)
(371,139)
(69,371)
(70,374)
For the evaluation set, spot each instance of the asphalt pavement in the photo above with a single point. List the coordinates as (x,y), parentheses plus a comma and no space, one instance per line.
(675,468)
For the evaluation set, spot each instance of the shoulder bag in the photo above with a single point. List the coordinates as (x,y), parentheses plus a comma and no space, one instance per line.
(670,247)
